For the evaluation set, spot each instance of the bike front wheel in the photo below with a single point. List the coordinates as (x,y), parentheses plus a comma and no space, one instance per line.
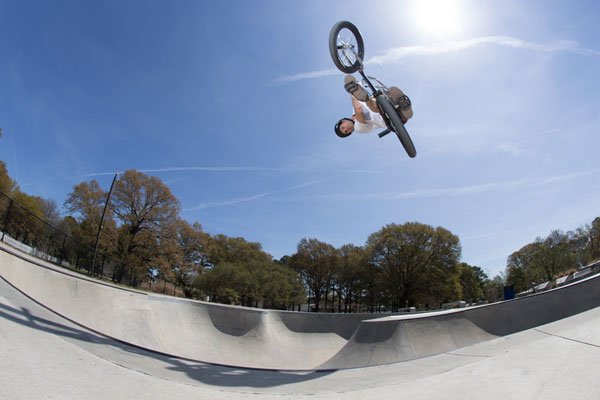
(346,47)
(396,124)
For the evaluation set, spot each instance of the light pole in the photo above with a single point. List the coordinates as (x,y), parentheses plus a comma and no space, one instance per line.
(100,226)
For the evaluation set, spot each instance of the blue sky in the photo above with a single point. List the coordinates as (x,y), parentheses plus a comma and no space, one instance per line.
(232,104)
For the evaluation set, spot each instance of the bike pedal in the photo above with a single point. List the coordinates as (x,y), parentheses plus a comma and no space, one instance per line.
(351,86)
(403,102)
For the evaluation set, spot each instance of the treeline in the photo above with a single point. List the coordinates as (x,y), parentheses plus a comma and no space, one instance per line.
(556,255)
(154,248)
(399,266)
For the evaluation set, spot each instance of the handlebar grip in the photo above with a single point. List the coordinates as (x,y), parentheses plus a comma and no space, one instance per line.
(382,134)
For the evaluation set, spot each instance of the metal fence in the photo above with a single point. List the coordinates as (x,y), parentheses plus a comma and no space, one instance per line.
(22,229)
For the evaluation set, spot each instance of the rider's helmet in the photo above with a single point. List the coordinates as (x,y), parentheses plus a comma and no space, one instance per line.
(337,128)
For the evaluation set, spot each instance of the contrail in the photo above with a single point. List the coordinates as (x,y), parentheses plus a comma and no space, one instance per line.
(504,41)
(398,53)
(202,206)
(488,187)
(177,169)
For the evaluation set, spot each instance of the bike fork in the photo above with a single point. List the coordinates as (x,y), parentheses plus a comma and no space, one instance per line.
(365,79)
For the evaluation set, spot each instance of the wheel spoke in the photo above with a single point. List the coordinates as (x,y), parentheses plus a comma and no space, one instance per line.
(346,45)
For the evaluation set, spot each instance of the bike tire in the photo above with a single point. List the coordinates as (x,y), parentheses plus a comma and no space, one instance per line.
(349,30)
(396,125)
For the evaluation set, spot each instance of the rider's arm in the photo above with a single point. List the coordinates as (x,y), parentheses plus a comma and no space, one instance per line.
(372,105)
(358,110)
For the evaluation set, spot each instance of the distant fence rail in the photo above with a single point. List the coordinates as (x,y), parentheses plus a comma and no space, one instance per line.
(22,229)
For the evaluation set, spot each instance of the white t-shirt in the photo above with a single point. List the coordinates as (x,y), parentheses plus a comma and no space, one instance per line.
(372,121)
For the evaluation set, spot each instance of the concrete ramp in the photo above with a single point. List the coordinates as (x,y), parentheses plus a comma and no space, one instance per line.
(393,339)
(278,340)
(400,338)
(207,332)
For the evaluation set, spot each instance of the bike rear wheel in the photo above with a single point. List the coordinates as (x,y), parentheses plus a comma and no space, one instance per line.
(396,124)
(346,47)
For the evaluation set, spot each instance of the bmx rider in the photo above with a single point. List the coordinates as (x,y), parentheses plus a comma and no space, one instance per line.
(366,115)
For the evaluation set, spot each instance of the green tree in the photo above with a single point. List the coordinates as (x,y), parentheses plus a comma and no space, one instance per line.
(555,255)
(540,261)
(494,289)
(6,183)
(472,280)
(221,248)
(146,210)
(417,263)
(23,222)
(192,242)
(240,272)
(223,283)
(522,270)
(85,203)
(349,274)
(315,261)
(592,249)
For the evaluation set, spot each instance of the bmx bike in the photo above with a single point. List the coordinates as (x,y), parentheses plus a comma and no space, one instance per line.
(347,50)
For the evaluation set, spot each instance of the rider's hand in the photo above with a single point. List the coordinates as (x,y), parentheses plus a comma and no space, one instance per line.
(358,110)
(355,103)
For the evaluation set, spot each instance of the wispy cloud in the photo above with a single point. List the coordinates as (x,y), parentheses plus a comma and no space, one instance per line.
(488,187)
(202,206)
(306,184)
(458,191)
(180,169)
(470,190)
(504,41)
(398,53)
(308,75)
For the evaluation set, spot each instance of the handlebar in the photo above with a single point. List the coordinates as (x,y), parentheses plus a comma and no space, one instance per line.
(382,134)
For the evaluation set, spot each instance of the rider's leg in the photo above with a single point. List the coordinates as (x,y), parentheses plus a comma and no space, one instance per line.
(372,104)
(403,104)
(355,89)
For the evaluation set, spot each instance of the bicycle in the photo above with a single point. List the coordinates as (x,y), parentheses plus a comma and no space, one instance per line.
(347,50)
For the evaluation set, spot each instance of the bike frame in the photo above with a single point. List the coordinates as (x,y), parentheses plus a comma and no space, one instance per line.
(375,92)
(347,52)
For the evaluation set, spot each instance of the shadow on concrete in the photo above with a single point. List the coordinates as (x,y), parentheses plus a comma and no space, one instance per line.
(27,312)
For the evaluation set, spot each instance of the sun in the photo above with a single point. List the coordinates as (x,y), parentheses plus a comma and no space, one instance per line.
(438,18)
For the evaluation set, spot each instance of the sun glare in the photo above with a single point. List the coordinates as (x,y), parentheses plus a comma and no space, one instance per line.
(439,18)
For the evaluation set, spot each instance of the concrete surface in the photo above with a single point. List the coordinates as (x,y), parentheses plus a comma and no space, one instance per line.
(44,355)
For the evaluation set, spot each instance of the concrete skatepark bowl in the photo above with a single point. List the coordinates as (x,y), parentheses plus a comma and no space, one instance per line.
(305,353)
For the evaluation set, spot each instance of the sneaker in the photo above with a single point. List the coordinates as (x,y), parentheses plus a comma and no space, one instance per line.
(355,89)
(402,103)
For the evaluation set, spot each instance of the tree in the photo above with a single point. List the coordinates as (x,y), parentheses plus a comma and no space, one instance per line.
(315,261)
(494,289)
(555,255)
(349,274)
(221,248)
(472,280)
(521,269)
(147,211)
(23,221)
(192,242)
(540,261)
(49,210)
(86,203)
(240,272)
(592,249)
(417,263)
(6,184)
